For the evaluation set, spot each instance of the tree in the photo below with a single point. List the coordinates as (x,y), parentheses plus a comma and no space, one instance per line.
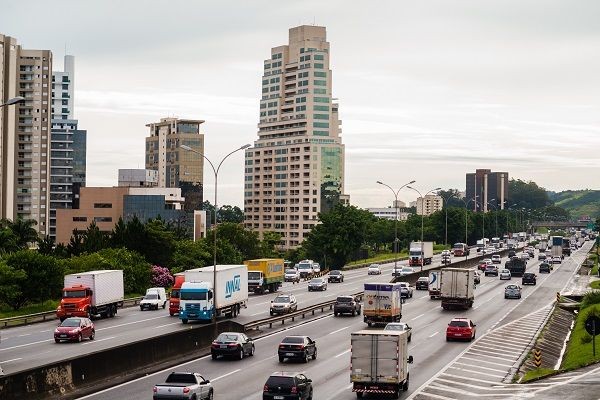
(341,232)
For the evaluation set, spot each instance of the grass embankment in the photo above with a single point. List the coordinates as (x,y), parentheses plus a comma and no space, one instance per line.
(48,305)
(383,257)
(579,349)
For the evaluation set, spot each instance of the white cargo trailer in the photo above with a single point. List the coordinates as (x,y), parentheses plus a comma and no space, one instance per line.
(379,363)
(457,287)
(196,297)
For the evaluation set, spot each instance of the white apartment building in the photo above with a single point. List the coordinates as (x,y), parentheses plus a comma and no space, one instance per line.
(25,133)
(429,204)
(296,168)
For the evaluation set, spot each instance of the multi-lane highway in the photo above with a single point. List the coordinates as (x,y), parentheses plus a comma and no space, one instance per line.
(33,345)
(330,372)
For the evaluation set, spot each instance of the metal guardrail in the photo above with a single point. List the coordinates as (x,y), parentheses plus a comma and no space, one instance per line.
(293,315)
(50,315)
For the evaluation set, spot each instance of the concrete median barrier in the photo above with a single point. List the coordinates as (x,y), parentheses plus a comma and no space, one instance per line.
(77,376)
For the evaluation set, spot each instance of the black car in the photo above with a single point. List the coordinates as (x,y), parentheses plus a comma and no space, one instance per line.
(299,347)
(288,386)
(346,305)
(335,276)
(232,344)
(545,267)
(422,283)
(529,278)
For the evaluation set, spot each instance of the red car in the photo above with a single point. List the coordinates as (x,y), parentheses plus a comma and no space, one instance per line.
(460,328)
(75,329)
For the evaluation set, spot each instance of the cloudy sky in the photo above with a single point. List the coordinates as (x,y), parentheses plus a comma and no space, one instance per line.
(428,89)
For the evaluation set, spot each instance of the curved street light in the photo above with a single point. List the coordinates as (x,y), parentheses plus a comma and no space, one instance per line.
(216,173)
(396,219)
(423,213)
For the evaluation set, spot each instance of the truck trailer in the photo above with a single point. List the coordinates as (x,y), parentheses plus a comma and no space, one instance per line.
(379,363)
(93,293)
(382,303)
(265,274)
(457,287)
(196,296)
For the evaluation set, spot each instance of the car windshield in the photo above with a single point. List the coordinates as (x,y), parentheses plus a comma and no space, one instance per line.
(344,299)
(395,327)
(293,339)
(70,322)
(227,337)
(151,297)
(462,324)
(73,294)
(281,299)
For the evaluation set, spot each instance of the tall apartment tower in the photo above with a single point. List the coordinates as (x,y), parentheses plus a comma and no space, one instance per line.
(487,188)
(25,133)
(177,167)
(68,145)
(296,168)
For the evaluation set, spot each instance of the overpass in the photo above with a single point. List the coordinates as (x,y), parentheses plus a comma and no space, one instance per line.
(558,224)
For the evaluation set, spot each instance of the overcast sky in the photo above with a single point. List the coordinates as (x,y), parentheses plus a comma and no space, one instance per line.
(428,90)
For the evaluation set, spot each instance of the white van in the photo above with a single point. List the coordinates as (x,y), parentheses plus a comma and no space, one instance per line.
(154,298)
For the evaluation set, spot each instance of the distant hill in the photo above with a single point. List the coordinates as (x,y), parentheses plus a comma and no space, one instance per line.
(578,202)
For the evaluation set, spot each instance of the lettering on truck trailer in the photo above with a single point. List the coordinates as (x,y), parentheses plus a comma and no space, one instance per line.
(233,285)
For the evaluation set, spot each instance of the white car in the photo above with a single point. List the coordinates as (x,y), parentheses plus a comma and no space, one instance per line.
(504,274)
(496,259)
(374,269)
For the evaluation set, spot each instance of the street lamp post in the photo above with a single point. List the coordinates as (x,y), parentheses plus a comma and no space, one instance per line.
(396,219)
(422,215)
(12,101)
(216,174)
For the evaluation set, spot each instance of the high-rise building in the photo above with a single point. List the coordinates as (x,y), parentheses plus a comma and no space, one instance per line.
(25,133)
(296,168)
(485,188)
(68,145)
(178,167)
(429,204)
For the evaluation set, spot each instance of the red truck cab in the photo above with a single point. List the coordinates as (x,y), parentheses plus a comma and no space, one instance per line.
(76,302)
(174,298)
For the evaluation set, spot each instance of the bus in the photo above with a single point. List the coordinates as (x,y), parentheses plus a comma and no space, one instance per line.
(460,250)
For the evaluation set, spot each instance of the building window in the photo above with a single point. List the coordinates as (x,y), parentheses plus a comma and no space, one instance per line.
(102,205)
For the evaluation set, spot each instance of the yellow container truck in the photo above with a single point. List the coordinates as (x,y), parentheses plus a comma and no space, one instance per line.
(265,274)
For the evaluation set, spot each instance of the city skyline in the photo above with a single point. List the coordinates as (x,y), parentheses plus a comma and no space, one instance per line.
(425,96)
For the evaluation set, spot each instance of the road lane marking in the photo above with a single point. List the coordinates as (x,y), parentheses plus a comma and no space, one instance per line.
(227,374)
(14,359)
(417,317)
(342,353)
(435,333)
(162,326)
(339,330)
(98,340)
(26,344)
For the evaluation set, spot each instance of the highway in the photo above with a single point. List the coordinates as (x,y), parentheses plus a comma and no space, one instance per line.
(330,372)
(33,345)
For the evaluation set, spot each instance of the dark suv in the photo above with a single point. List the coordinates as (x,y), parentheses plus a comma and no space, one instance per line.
(299,347)
(287,386)
(346,305)
(529,278)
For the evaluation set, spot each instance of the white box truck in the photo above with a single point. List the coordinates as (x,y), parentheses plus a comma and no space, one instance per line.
(420,253)
(457,287)
(197,294)
(379,363)
(382,303)
(434,285)
(92,293)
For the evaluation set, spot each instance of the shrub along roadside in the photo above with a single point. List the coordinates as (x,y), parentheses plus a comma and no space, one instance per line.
(579,348)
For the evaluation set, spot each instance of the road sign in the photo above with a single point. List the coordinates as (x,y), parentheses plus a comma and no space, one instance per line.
(537,358)
(592,325)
